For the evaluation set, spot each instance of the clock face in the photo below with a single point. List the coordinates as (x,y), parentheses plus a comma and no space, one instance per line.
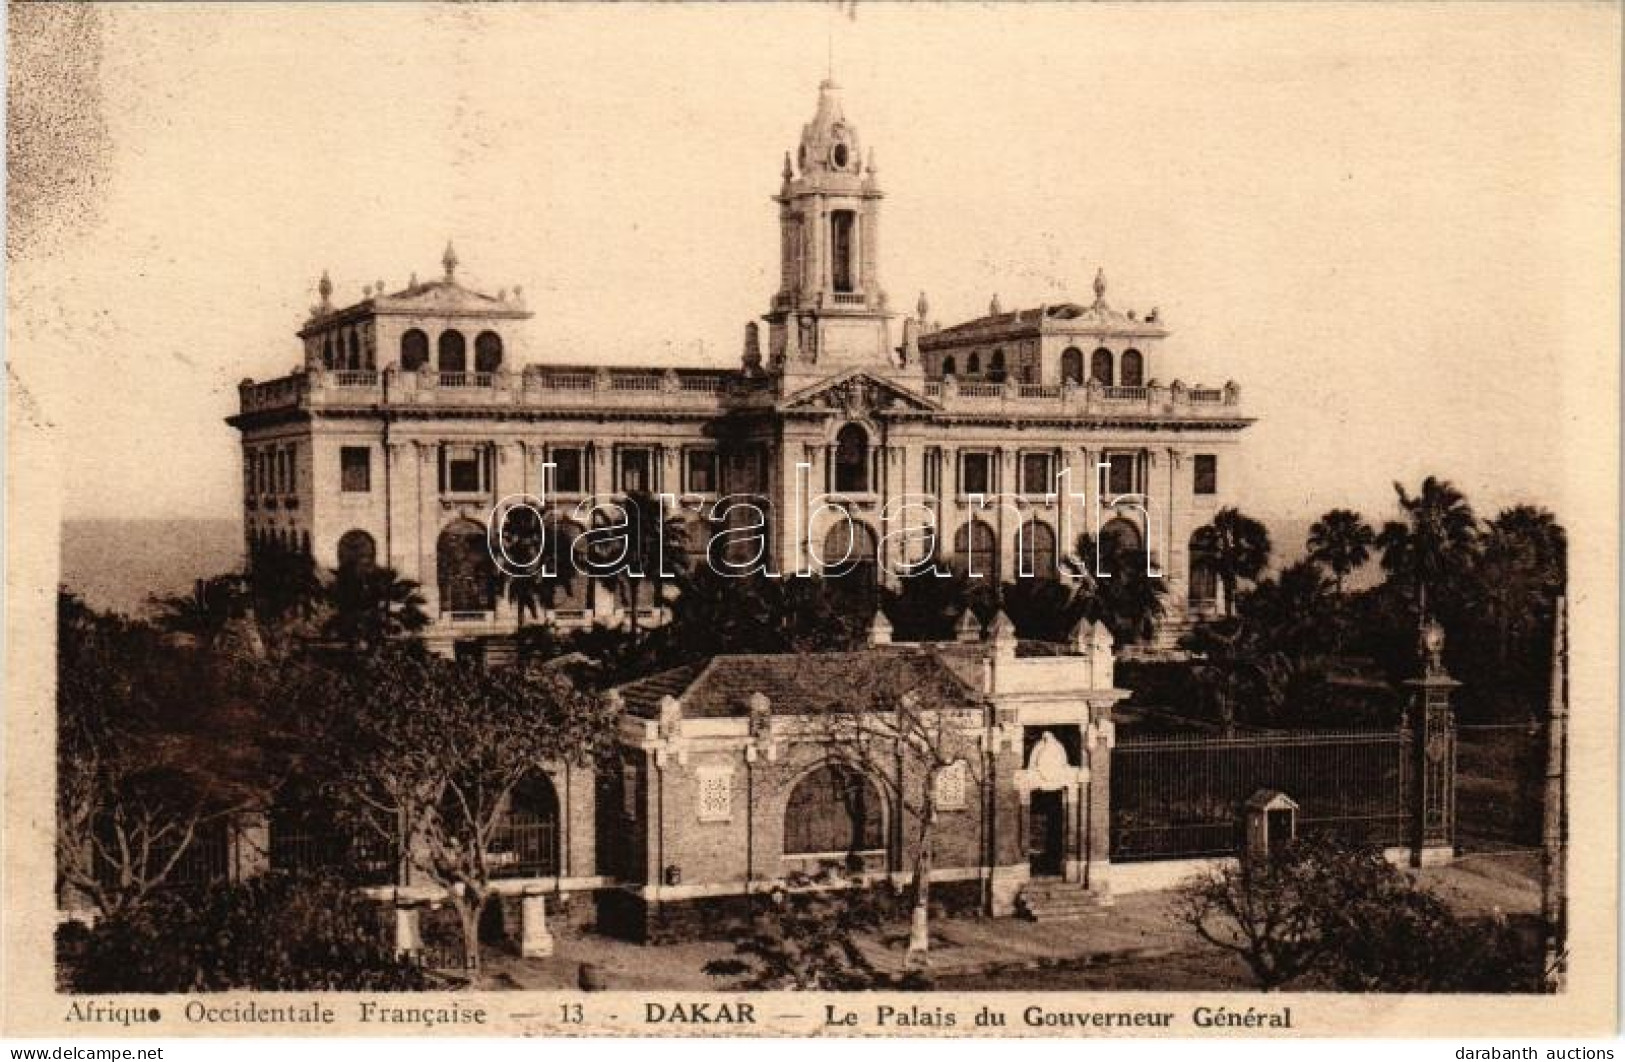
(839,155)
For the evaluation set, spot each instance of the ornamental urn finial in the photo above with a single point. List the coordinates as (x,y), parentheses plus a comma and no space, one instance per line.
(449,260)
(324,288)
(993,307)
(1100,284)
(1433,648)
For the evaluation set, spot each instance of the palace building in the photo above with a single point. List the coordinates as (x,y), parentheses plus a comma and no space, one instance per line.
(416,411)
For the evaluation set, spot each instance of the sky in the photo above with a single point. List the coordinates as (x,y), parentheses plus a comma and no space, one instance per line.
(1396,227)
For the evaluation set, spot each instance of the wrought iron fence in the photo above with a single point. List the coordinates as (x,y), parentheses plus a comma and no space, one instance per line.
(360,858)
(1182,796)
(525,847)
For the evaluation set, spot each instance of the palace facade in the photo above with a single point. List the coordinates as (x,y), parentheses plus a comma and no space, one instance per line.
(415,412)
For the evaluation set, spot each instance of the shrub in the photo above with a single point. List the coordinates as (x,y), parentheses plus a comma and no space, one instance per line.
(276,932)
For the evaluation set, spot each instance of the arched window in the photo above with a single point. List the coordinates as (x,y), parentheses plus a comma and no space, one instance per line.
(1132,369)
(949,366)
(995,367)
(976,551)
(1204,579)
(973,364)
(414,350)
(1072,366)
(525,843)
(352,358)
(453,351)
(849,553)
(833,811)
(464,568)
(487,352)
(1037,550)
(1100,366)
(852,460)
(1120,538)
(357,551)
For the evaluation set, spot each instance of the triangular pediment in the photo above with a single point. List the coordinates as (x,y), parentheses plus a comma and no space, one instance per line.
(447,297)
(858,393)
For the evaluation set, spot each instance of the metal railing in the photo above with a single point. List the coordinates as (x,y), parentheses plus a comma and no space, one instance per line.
(1125,394)
(524,847)
(356,378)
(1182,797)
(359,858)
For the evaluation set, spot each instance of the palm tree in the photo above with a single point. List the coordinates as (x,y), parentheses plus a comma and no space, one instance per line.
(207,613)
(538,565)
(654,541)
(1340,541)
(1521,570)
(371,606)
(1126,597)
(1431,548)
(1237,547)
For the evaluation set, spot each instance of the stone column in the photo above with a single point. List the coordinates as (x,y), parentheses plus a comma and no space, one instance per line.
(1099,738)
(1432,729)
(535,941)
(408,939)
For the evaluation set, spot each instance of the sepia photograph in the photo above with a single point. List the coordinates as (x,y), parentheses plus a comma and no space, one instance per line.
(827,518)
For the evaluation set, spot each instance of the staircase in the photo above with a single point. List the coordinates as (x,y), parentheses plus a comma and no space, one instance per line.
(1057,901)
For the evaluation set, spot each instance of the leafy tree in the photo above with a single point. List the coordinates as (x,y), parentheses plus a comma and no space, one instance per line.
(1340,541)
(808,939)
(1238,548)
(1347,916)
(370,606)
(428,755)
(272,933)
(1429,552)
(1520,570)
(901,721)
(156,744)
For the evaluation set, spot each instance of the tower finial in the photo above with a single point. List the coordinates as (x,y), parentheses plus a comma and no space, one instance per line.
(449,260)
(1100,285)
(788,172)
(993,307)
(324,288)
(922,309)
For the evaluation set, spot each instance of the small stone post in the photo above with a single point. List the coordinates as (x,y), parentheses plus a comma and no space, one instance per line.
(535,942)
(408,939)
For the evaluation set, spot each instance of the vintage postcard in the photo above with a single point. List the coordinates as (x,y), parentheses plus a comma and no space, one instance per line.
(855,519)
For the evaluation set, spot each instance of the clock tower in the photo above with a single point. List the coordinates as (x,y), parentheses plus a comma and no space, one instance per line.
(830,312)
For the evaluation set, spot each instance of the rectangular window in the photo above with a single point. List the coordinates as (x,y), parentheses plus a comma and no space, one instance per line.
(1037,473)
(567,470)
(251,465)
(976,474)
(841,223)
(463,469)
(355,469)
(636,471)
(1120,476)
(1207,474)
(701,471)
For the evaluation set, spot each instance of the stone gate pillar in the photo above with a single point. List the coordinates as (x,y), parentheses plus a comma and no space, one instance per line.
(1431,726)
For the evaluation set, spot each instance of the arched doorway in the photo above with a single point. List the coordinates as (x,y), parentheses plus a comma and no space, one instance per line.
(487,352)
(833,810)
(453,351)
(1131,369)
(464,570)
(849,554)
(852,460)
(976,552)
(414,349)
(1072,366)
(1100,366)
(1037,550)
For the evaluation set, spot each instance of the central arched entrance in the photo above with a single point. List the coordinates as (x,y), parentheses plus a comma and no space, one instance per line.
(464,570)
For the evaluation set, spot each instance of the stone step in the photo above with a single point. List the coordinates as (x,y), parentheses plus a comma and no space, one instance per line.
(1057,901)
